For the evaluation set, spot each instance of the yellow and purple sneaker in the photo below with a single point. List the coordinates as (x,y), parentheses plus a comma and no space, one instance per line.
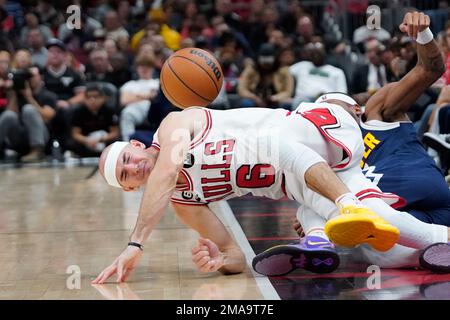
(312,253)
(436,258)
(358,225)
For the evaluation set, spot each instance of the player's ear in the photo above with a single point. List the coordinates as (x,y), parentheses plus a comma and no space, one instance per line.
(128,189)
(137,144)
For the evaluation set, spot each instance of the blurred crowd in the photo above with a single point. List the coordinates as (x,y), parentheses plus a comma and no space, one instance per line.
(76,90)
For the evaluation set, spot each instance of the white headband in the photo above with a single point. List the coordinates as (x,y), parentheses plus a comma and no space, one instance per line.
(111,163)
(336,96)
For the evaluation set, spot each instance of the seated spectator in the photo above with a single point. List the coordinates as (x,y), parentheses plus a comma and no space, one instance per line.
(370,76)
(32,22)
(230,69)
(157,26)
(266,84)
(80,41)
(314,77)
(94,125)
(113,27)
(120,73)
(363,34)
(21,60)
(36,44)
(47,13)
(66,83)
(155,46)
(99,68)
(61,79)
(24,125)
(136,96)
(5,61)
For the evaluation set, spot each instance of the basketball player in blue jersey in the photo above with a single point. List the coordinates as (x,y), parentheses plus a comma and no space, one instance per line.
(394,159)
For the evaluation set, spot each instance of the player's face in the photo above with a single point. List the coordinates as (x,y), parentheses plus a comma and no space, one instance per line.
(134,166)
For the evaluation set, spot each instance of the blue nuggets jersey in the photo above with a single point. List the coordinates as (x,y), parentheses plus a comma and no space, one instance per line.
(396,161)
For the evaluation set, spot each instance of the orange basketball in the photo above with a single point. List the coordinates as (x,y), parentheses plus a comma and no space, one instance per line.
(191,77)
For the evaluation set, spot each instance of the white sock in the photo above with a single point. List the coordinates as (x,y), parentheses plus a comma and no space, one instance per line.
(312,223)
(413,232)
(397,257)
(318,232)
(348,199)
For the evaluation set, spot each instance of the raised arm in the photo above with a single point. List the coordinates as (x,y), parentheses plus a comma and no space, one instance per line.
(391,102)
(174,137)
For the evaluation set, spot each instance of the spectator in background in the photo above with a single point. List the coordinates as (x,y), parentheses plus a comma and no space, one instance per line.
(230,69)
(261,29)
(266,84)
(61,79)
(291,16)
(94,125)
(136,96)
(305,29)
(32,22)
(113,27)
(47,13)
(36,45)
(314,77)
(111,47)
(286,57)
(370,76)
(156,47)
(364,34)
(79,41)
(66,83)
(5,83)
(99,68)
(157,26)
(21,60)
(445,47)
(23,126)
(120,73)
(87,29)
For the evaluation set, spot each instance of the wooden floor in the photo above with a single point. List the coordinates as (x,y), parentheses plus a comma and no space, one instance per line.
(55,218)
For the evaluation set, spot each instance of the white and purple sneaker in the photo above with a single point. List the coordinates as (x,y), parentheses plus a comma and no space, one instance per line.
(312,253)
(436,258)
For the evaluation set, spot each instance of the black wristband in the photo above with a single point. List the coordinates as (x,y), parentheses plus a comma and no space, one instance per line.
(135,244)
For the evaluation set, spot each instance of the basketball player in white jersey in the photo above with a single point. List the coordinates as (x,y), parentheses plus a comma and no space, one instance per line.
(220,158)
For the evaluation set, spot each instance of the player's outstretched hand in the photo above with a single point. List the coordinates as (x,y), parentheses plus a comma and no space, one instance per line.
(207,256)
(414,22)
(123,265)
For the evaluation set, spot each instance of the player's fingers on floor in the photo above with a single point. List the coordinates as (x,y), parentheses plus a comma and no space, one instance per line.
(199,248)
(203,261)
(108,273)
(101,275)
(199,256)
(127,274)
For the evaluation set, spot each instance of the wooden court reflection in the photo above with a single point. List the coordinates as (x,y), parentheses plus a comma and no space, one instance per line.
(52,218)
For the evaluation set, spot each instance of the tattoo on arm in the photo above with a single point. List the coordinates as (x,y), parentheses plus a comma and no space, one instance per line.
(430,57)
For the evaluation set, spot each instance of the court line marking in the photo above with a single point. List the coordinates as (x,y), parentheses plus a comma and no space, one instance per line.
(264,284)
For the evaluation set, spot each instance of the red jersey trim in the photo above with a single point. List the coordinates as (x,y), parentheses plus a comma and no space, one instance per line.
(205,131)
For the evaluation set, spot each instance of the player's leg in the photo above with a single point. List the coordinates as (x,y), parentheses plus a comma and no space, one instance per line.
(413,233)
(314,252)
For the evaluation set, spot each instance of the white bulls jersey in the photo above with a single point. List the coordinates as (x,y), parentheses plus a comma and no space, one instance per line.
(237,151)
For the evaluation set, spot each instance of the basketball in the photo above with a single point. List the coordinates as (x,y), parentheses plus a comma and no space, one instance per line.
(191,77)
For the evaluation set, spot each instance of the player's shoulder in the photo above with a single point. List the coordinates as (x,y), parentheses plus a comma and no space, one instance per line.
(186,116)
